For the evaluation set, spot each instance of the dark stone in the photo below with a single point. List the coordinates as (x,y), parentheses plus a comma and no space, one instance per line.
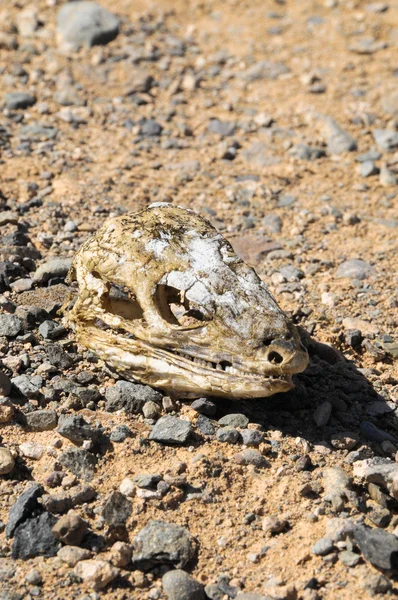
(58,357)
(374,434)
(205,425)
(147,480)
(179,585)
(117,509)
(170,430)
(204,407)
(10,325)
(34,537)
(130,396)
(41,420)
(221,127)
(229,435)
(150,127)
(120,434)
(80,462)
(378,547)
(163,543)
(234,420)
(19,100)
(51,330)
(23,508)
(76,429)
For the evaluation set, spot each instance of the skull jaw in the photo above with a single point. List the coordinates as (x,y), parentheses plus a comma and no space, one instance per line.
(133,361)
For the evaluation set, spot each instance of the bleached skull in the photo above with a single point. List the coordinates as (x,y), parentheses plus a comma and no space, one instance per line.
(164,300)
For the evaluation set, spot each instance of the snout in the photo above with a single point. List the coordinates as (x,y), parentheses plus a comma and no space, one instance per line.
(287,356)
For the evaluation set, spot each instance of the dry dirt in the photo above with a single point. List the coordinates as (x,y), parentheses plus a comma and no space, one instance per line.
(201,57)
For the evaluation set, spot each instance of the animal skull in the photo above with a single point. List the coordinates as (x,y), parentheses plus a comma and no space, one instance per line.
(164,299)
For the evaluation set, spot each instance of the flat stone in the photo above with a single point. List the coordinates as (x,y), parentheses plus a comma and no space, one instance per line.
(51,330)
(338,141)
(131,397)
(389,103)
(117,509)
(10,325)
(32,450)
(53,268)
(375,434)
(28,386)
(259,155)
(71,555)
(322,547)
(222,128)
(23,508)
(204,407)
(354,269)
(170,430)
(380,471)
(228,435)
(76,429)
(34,537)
(6,461)
(388,178)
(179,585)
(322,413)
(250,457)
(41,420)
(163,543)
(97,574)
(19,100)
(379,547)
(234,420)
(252,437)
(147,480)
(85,24)
(349,559)
(264,69)
(205,425)
(80,462)
(386,139)
(368,168)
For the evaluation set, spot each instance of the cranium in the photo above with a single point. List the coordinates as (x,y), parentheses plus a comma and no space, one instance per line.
(164,300)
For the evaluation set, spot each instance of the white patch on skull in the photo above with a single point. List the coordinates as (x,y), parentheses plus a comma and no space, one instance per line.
(156,247)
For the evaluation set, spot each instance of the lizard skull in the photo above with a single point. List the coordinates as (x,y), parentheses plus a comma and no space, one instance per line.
(164,300)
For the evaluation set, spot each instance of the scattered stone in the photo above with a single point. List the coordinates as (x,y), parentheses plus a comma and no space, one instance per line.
(58,357)
(349,559)
(228,435)
(387,177)
(179,585)
(252,437)
(147,480)
(120,554)
(41,420)
(19,100)
(337,487)
(234,420)
(120,434)
(70,529)
(337,140)
(34,537)
(96,573)
(378,547)
(344,441)
(6,409)
(151,410)
(80,462)
(171,430)
(322,547)
(5,386)
(130,396)
(251,457)
(375,434)
(222,128)
(127,488)
(23,508)
(354,269)
(117,509)
(386,139)
(205,426)
(51,330)
(322,413)
(380,471)
(31,450)
(204,407)
(273,524)
(7,461)
(76,429)
(375,583)
(28,386)
(85,23)
(163,543)
(10,325)
(368,168)
(71,555)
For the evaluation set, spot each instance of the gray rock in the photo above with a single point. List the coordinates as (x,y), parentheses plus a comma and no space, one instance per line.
(58,357)
(264,69)
(272,223)
(375,434)
(151,410)
(34,537)
(10,325)
(250,457)
(204,407)
(19,100)
(291,273)
(51,330)
(386,139)
(80,462)
(76,429)
(368,168)
(6,461)
(260,155)
(120,434)
(85,24)
(53,268)
(368,156)
(117,509)
(38,133)
(381,471)
(41,420)
(375,583)
(337,140)
(349,559)
(379,547)
(286,200)
(222,128)
(163,543)
(150,128)
(389,103)
(178,585)
(234,420)
(306,152)
(322,413)
(322,547)
(354,269)
(130,397)
(251,596)
(23,508)
(228,435)
(147,480)
(205,425)
(170,430)
(387,177)
(5,384)
(28,386)
(252,437)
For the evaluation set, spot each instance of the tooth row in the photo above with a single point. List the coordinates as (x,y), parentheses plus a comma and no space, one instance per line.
(218,367)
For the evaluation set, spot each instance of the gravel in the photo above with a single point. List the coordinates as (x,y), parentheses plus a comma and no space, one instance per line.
(228,435)
(130,397)
(163,543)
(96,574)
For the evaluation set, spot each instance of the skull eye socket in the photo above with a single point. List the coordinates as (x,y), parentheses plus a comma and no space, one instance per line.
(175,308)
(122,302)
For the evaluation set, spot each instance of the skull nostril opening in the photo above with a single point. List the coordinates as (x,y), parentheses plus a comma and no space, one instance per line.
(275,358)
(267,342)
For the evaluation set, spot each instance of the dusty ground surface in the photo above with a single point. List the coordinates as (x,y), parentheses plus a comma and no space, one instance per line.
(271,152)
